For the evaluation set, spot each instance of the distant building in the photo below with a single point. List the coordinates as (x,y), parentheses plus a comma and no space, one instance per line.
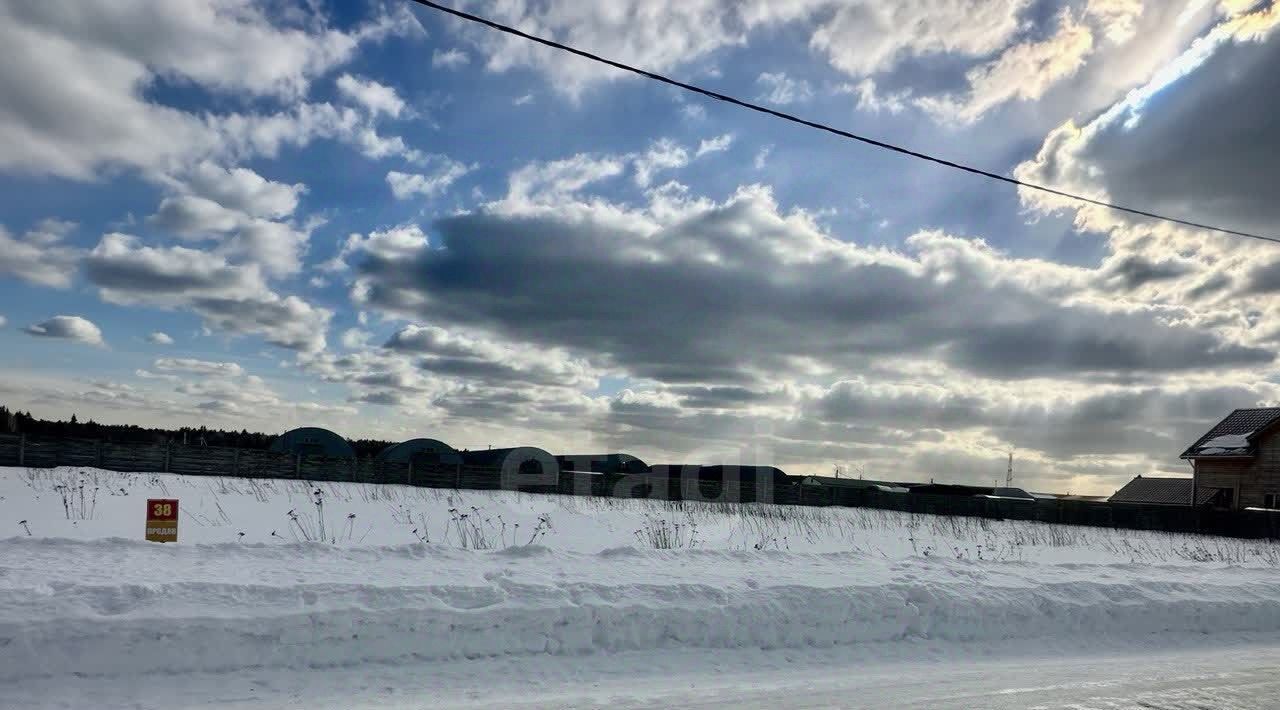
(1241,456)
(421,452)
(1235,465)
(950,489)
(313,441)
(723,473)
(1156,490)
(602,463)
(855,483)
(521,460)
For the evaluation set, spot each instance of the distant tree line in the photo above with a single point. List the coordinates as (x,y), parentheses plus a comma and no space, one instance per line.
(18,422)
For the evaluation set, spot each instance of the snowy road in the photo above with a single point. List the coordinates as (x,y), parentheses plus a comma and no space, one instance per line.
(1242,674)
(1240,679)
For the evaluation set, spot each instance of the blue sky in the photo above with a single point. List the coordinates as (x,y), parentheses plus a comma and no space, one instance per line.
(370,217)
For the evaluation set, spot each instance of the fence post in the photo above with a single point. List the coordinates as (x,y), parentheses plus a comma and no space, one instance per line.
(22,449)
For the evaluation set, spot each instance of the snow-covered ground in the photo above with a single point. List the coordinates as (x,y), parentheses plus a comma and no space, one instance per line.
(480,596)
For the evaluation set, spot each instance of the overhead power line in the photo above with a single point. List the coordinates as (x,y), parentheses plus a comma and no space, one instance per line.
(832,129)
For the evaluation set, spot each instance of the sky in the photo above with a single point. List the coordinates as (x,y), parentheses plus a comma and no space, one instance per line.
(379,219)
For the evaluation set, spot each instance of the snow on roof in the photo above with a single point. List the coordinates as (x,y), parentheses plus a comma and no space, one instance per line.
(1228,441)
(1230,437)
(1226,444)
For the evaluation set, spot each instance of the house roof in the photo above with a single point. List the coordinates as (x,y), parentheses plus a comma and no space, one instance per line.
(848,482)
(1163,491)
(951,489)
(1236,435)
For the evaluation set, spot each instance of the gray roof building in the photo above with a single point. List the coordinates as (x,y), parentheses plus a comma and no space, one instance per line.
(313,441)
(1152,490)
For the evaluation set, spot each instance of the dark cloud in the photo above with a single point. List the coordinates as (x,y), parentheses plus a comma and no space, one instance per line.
(900,406)
(696,397)
(120,264)
(1131,271)
(486,360)
(733,294)
(288,321)
(1264,278)
(231,297)
(1119,343)
(1214,284)
(1203,148)
(383,397)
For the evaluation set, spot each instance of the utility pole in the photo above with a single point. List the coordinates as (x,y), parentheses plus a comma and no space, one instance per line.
(1008,476)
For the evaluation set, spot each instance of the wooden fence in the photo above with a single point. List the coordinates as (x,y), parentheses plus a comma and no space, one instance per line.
(47,452)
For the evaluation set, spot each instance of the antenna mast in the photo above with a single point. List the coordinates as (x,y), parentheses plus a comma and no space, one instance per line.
(1008,476)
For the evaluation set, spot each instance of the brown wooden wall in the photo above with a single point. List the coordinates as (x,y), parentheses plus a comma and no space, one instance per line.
(1250,479)
(1225,473)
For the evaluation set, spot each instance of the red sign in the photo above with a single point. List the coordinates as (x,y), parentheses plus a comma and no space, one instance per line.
(162,519)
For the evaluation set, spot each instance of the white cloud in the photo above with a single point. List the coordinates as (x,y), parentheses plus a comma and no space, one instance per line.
(449,59)
(550,180)
(693,112)
(662,154)
(1117,18)
(355,338)
(198,367)
(781,89)
(871,99)
(762,157)
(522,100)
(376,98)
(76,67)
(3,321)
(74,328)
(242,189)
(658,36)
(859,37)
(160,338)
(193,217)
(714,145)
(393,243)
(276,246)
(863,38)
(444,172)
(49,231)
(226,46)
(38,259)
(1024,71)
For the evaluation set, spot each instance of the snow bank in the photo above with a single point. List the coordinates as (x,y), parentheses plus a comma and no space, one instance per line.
(81,594)
(123,607)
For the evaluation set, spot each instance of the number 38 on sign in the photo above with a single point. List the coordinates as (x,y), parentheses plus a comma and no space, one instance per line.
(162,519)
